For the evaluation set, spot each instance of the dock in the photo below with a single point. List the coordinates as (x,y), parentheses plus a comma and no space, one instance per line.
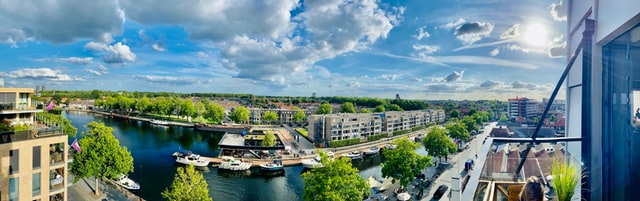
(255,162)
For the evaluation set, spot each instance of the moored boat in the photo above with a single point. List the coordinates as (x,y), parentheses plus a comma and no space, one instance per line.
(159,122)
(230,163)
(192,159)
(181,154)
(275,166)
(354,155)
(372,151)
(312,163)
(127,183)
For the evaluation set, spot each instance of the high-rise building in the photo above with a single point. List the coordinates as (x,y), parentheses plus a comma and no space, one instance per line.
(33,162)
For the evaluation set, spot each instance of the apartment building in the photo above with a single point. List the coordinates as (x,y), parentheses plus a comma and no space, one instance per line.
(342,126)
(285,116)
(522,108)
(32,162)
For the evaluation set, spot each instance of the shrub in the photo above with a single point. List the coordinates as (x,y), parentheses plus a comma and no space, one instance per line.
(377,136)
(342,143)
(400,132)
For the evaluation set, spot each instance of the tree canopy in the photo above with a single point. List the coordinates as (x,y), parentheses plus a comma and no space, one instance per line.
(455,114)
(270,116)
(269,139)
(336,180)
(299,116)
(365,110)
(325,108)
(101,155)
(470,123)
(379,108)
(458,130)
(403,163)
(188,184)
(438,144)
(214,112)
(348,107)
(240,114)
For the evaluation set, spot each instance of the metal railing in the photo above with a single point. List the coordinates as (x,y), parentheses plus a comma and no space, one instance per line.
(15,136)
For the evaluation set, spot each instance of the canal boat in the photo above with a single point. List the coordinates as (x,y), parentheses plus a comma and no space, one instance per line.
(192,159)
(312,163)
(275,166)
(159,122)
(181,154)
(354,155)
(372,151)
(230,163)
(127,183)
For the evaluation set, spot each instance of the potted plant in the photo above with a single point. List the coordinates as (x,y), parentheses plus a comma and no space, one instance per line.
(566,176)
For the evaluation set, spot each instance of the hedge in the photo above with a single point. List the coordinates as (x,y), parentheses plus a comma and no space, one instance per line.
(400,132)
(377,137)
(303,132)
(342,143)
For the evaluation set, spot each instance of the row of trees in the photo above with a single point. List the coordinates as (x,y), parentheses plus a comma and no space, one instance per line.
(348,107)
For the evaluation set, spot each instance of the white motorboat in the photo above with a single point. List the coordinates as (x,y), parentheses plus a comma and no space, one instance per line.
(372,151)
(159,122)
(354,155)
(181,154)
(275,166)
(192,159)
(312,163)
(230,163)
(127,183)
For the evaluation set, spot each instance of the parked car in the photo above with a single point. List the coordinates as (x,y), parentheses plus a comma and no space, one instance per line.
(441,190)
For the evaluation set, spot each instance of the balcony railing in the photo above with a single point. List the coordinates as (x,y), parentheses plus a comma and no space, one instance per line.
(15,136)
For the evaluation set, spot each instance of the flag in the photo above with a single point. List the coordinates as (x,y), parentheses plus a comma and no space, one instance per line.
(76,146)
(50,106)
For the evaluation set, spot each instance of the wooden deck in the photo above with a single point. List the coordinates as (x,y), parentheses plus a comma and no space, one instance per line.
(255,162)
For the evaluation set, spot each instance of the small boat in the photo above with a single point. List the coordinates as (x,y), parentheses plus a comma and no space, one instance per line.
(275,166)
(390,146)
(354,155)
(159,122)
(181,154)
(372,151)
(230,163)
(127,183)
(312,163)
(192,159)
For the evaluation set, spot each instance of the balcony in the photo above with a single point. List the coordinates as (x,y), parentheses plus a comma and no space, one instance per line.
(56,179)
(56,153)
(15,108)
(16,136)
(502,168)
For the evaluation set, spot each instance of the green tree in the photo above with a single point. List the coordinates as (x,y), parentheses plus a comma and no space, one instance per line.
(215,112)
(379,108)
(187,108)
(269,139)
(200,108)
(270,116)
(348,107)
(101,155)
(458,130)
(143,104)
(188,184)
(403,163)
(336,180)
(553,118)
(490,115)
(438,144)
(472,111)
(240,114)
(470,123)
(325,108)
(454,114)
(503,118)
(299,116)
(365,110)
(393,107)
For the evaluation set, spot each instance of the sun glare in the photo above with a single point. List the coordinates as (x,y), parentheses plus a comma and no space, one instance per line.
(535,35)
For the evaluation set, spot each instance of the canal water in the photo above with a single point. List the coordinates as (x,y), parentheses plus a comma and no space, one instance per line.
(151,147)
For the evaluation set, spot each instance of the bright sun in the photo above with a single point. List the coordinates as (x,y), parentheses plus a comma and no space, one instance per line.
(535,35)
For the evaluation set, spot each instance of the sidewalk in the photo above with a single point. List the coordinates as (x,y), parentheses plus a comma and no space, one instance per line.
(83,191)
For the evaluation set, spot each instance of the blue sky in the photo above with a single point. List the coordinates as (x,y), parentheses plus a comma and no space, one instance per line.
(437,49)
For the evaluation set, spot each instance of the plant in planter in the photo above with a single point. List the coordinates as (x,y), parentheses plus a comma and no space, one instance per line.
(566,176)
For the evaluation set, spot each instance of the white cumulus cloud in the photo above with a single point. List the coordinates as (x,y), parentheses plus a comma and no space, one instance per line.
(41,74)
(422,33)
(116,53)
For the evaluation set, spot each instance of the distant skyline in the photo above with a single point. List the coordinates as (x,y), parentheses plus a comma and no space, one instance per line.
(433,50)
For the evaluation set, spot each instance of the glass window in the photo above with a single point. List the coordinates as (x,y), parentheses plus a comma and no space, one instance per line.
(621,115)
(35,183)
(14,161)
(13,189)
(36,157)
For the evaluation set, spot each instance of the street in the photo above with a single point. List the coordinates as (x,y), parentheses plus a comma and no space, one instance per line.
(458,161)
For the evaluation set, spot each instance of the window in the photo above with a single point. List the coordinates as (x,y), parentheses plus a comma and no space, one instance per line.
(14,161)
(36,157)
(35,184)
(621,116)
(13,189)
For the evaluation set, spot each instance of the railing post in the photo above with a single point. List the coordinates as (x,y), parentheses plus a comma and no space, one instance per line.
(587,41)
